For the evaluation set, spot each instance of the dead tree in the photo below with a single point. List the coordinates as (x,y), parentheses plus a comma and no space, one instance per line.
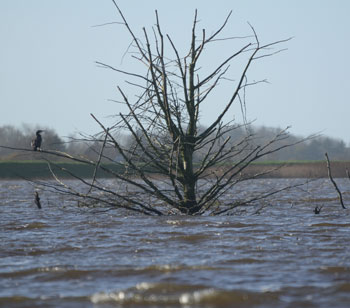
(172,165)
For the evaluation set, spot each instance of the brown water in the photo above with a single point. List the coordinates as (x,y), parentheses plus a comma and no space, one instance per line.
(286,256)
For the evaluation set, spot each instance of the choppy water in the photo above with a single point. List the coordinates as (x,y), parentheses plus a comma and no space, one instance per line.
(286,256)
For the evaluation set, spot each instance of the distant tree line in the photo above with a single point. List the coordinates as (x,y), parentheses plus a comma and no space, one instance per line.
(313,149)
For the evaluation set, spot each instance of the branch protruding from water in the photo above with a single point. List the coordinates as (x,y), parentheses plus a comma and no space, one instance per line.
(334,183)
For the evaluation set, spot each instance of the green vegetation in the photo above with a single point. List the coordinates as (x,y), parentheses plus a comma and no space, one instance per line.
(40,169)
(286,162)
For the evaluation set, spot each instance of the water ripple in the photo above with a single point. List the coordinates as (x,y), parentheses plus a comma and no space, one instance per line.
(284,256)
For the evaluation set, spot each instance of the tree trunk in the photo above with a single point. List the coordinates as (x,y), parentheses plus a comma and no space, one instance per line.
(189,204)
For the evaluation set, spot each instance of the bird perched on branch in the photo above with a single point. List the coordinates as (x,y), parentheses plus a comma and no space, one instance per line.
(36,143)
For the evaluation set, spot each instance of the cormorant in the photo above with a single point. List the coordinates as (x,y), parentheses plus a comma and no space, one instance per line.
(36,143)
(37,200)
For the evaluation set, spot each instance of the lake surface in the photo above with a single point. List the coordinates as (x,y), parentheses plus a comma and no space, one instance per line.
(281,256)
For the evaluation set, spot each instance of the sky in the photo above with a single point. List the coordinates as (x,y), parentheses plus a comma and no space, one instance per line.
(49,76)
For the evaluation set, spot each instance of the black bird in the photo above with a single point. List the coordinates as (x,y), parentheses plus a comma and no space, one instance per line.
(318,209)
(37,200)
(36,143)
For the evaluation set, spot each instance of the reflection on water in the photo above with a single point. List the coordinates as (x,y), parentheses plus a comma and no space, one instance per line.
(284,256)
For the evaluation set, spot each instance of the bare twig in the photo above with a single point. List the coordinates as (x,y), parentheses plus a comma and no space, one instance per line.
(334,183)
(98,161)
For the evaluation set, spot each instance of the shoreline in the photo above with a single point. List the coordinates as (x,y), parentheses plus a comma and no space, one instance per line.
(15,170)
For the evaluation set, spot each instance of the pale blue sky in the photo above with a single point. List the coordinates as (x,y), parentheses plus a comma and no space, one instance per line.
(48,74)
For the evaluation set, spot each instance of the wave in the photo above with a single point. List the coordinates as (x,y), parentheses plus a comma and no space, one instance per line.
(168,294)
(327,224)
(29,226)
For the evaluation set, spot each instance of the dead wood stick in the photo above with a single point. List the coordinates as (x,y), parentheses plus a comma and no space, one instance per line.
(98,161)
(37,200)
(347,173)
(334,183)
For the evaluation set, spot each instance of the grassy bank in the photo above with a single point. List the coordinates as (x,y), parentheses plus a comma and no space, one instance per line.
(295,169)
(300,169)
(40,169)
